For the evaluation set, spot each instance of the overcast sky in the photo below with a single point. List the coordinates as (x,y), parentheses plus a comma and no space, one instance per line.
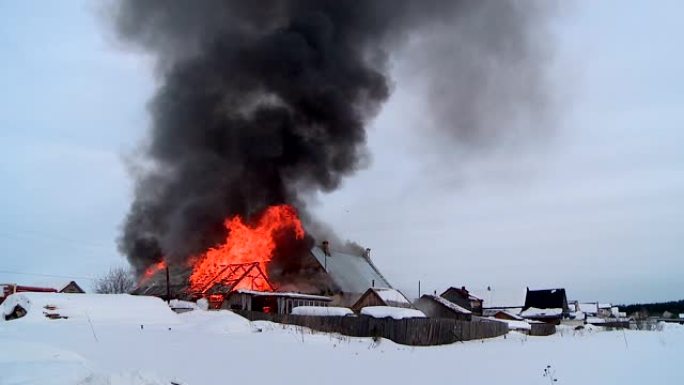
(594,206)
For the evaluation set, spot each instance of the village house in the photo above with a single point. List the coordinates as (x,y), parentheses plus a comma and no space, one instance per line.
(462,297)
(439,307)
(342,276)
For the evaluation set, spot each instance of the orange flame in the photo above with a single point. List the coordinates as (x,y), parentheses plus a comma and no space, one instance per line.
(245,244)
(152,270)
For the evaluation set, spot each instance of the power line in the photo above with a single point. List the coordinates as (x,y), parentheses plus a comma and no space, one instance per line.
(54,238)
(46,275)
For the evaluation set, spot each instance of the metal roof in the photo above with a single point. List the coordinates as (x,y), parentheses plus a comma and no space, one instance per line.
(351,273)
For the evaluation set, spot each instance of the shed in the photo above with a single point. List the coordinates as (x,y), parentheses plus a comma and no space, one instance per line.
(464,298)
(439,307)
(382,297)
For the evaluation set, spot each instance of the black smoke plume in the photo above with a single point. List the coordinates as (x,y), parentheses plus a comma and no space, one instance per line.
(263,102)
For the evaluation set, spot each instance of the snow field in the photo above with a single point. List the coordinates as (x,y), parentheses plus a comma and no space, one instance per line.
(206,348)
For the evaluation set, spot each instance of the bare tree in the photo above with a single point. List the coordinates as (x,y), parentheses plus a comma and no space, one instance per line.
(118,280)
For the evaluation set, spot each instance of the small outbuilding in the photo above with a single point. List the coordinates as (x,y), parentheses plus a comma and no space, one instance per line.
(382,297)
(439,307)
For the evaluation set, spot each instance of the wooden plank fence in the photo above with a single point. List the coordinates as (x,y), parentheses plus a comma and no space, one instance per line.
(542,329)
(411,331)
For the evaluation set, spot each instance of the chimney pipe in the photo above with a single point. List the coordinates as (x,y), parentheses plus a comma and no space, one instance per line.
(326,248)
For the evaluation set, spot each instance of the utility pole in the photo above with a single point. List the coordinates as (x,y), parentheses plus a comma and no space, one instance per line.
(168,289)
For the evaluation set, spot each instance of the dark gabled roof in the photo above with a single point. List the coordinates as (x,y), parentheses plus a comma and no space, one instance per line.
(73,284)
(386,296)
(463,292)
(546,299)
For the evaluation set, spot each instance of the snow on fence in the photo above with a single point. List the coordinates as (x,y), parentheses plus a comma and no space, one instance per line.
(410,331)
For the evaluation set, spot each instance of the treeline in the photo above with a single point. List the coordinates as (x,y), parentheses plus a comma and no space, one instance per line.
(675,307)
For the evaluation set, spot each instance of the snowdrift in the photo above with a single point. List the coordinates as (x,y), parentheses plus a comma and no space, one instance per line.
(120,308)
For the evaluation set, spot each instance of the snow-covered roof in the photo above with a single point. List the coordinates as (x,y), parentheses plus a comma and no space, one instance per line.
(536,312)
(591,307)
(448,304)
(351,273)
(605,306)
(322,311)
(391,295)
(493,312)
(393,312)
(515,324)
(284,294)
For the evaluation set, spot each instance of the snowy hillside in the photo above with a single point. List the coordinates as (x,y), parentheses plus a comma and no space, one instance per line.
(124,340)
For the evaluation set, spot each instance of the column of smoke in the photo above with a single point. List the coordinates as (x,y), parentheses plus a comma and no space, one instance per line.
(265,102)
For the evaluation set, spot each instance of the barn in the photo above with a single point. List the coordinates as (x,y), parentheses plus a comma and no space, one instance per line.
(439,307)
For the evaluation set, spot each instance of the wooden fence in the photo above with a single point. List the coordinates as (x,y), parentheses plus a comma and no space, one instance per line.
(542,329)
(411,331)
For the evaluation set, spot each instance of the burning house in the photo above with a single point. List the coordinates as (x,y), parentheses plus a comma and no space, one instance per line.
(262,106)
(326,276)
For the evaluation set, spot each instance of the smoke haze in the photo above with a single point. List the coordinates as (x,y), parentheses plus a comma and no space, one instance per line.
(262,103)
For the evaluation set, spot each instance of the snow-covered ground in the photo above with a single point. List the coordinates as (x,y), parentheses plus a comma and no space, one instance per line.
(117,346)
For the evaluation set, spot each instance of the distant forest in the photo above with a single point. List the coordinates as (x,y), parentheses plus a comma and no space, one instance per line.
(674,307)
